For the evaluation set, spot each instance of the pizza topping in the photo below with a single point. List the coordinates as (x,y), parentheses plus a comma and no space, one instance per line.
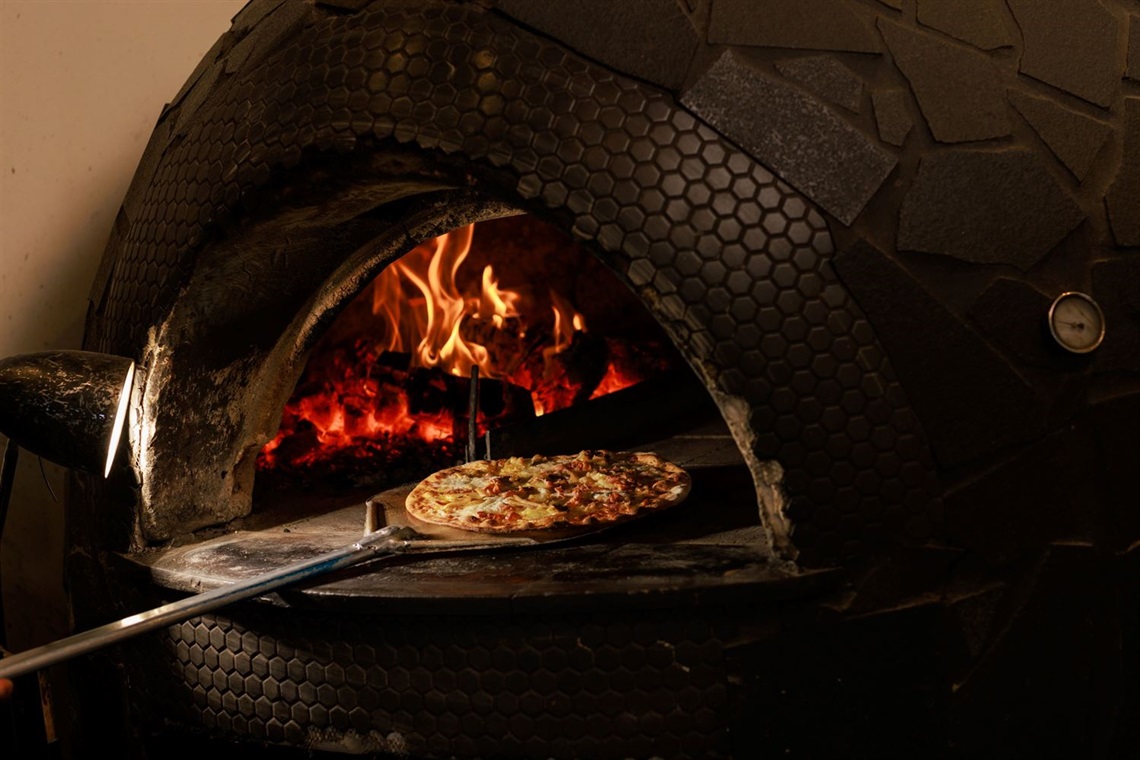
(544,492)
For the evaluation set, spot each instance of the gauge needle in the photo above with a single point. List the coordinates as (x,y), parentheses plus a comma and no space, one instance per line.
(1077,325)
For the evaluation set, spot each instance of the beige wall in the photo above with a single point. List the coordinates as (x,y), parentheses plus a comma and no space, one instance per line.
(81,85)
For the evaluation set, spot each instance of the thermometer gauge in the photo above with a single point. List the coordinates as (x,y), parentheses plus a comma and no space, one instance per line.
(1076,322)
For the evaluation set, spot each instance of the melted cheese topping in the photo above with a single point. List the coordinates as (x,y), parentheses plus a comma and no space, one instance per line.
(520,493)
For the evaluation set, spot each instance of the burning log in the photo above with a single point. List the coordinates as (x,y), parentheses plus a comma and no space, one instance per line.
(586,361)
(663,405)
(507,343)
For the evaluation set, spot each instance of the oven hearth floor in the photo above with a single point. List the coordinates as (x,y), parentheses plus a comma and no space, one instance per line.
(710,549)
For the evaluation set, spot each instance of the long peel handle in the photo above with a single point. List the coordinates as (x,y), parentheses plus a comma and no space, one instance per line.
(380,543)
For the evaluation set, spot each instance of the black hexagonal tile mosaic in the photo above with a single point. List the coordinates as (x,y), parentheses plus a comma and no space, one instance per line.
(669,203)
(556,687)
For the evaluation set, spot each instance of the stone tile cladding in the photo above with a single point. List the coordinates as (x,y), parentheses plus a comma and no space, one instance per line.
(1038,552)
(556,687)
(732,261)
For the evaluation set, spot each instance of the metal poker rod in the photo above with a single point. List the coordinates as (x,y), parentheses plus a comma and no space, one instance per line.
(473,413)
(390,540)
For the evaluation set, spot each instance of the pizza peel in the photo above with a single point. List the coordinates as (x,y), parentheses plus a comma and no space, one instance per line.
(302,550)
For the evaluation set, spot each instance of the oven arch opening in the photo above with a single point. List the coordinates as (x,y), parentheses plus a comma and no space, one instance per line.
(692,413)
(734,261)
(718,526)
(546,327)
(239,398)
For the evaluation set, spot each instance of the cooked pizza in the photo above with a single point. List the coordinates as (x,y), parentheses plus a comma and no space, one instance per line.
(538,493)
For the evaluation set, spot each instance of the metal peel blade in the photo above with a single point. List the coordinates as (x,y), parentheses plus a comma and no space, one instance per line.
(386,541)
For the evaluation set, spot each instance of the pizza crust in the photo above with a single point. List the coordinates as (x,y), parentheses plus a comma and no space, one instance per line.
(588,489)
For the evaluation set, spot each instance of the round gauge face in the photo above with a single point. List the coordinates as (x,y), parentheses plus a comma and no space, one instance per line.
(1076,322)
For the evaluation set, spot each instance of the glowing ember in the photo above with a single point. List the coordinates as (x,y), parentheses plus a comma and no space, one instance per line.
(390,378)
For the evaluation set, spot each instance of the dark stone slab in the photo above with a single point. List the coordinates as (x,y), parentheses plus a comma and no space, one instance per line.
(649,39)
(1128,735)
(972,616)
(1052,684)
(959,91)
(1012,314)
(796,136)
(907,574)
(986,207)
(252,13)
(261,41)
(805,24)
(827,78)
(1070,44)
(981,23)
(1115,421)
(345,5)
(892,115)
(205,70)
(1073,137)
(698,13)
(1116,287)
(968,398)
(1046,492)
(1132,71)
(1123,198)
(875,680)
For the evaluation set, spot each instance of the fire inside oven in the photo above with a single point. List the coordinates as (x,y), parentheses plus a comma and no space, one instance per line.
(510,306)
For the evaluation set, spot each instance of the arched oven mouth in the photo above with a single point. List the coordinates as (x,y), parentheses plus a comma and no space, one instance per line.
(618,385)
(733,262)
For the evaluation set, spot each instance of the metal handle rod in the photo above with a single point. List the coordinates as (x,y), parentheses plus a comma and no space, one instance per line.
(383,542)
(473,413)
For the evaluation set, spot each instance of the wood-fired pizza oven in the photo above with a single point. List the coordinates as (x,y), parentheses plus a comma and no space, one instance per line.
(847,220)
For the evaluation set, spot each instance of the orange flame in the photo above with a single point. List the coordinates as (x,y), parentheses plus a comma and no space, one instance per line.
(429,323)
(351,402)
